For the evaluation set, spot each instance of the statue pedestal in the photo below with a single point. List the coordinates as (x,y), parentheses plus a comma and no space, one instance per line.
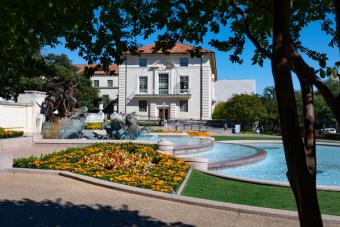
(63,129)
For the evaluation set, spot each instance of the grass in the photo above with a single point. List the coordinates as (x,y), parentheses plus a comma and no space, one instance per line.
(220,138)
(201,185)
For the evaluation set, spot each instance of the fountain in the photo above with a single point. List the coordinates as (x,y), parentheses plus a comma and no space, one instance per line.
(126,129)
(65,128)
(64,121)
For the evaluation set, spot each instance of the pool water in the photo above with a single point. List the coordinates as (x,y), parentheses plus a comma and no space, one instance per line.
(176,140)
(274,168)
(225,152)
(221,152)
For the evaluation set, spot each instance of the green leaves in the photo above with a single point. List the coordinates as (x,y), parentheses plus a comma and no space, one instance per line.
(245,109)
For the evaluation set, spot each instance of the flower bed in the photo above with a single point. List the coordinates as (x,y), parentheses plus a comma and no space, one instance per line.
(198,134)
(10,133)
(94,125)
(138,165)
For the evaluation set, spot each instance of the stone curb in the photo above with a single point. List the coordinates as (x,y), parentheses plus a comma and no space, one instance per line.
(181,188)
(175,198)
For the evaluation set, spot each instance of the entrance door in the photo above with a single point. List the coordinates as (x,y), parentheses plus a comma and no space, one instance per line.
(163,113)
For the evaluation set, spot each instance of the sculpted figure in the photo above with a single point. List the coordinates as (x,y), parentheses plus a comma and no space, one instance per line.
(60,101)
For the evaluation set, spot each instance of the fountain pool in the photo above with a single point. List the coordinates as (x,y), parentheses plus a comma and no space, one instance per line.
(274,168)
(257,161)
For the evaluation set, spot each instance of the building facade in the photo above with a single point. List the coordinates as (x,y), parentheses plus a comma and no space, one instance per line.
(105,82)
(173,86)
(226,89)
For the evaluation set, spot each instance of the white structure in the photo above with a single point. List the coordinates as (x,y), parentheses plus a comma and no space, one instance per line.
(105,82)
(225,89)
(174,86)
(23,115)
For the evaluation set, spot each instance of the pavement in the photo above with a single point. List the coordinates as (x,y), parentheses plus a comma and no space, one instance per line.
(51,200)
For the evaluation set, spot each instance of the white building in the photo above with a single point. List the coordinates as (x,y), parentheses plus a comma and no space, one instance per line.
(225,89)
(172,86)
(105,82)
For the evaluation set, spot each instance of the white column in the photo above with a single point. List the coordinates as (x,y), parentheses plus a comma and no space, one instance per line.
(206,93)
(153,110)
(156,82)
(173,111)
(121,88)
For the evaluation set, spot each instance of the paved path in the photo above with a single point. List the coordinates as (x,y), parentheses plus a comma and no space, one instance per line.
(47,200)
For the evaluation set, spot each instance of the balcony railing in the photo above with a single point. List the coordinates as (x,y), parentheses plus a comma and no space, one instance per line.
(163,92)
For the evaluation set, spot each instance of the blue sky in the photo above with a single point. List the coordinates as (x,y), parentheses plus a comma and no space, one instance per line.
(311,37)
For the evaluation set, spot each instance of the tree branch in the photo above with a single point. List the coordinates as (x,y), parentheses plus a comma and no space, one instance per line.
(306,74)
(250,36)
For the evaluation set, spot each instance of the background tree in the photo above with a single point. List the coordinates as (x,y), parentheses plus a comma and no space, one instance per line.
(57,68)
(60,69)
(271,120)
(244,109)
(219,111)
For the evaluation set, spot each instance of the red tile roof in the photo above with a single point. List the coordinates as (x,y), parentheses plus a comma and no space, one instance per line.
(114,69)
(179,48)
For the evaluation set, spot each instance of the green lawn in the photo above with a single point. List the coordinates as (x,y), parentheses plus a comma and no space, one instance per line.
(220,138)
(201,185)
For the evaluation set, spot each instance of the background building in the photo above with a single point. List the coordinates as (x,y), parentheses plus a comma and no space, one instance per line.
(173,86)
(225,89)
(105,82)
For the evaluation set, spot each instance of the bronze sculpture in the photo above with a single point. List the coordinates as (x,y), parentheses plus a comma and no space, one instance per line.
(60,101)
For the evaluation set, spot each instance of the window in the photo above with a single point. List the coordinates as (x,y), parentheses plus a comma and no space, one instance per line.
(110,83)
(163,84)
(183,105)
(143,62)
(143,84)
(183,61)
(96,83)
(184,84)
(142,106)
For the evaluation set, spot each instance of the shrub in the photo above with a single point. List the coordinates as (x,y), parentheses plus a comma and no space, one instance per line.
(10,133)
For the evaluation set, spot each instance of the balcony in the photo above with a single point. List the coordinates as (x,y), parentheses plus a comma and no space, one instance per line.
(163,93)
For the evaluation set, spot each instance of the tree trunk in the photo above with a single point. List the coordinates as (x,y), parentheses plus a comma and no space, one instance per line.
(309,126)
(302,182)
